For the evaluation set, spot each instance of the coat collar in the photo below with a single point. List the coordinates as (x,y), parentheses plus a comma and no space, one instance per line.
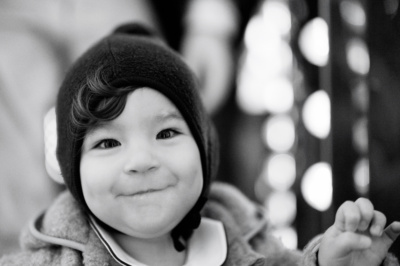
(207,245)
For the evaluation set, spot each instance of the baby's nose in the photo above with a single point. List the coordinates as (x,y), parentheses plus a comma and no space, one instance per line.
(140,159)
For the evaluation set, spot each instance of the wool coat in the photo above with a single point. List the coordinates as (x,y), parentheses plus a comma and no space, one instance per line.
(62,235)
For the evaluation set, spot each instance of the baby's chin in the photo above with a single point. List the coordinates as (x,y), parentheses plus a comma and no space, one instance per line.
(149,231)
(147,221)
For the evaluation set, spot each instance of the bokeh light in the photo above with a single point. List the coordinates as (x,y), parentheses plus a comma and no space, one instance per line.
(391,6)
(316,186)
(314,41)
(277,14)
(250,93)
(281,207)
(259,37)
(278,95)
(357,56)
(280,171)
(272,62)
(353,13)
(361,176)
(287,235)
(360,135)
(360,96)
(279,133)
(317,114)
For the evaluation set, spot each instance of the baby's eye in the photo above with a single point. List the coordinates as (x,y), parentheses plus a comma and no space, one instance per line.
(167,133)
(108,144)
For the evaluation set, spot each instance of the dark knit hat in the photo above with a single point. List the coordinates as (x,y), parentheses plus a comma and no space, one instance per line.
(134,56)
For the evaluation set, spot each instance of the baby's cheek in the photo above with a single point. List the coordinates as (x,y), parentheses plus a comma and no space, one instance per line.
(96,195)
(193,171)
(93,179)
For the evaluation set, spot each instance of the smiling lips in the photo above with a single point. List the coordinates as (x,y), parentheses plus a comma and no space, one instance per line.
(145,192)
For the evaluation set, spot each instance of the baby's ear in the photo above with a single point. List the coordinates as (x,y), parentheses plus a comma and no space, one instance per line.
(135,29)
(50,144)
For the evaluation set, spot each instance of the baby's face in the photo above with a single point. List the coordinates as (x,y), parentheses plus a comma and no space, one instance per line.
(141,173)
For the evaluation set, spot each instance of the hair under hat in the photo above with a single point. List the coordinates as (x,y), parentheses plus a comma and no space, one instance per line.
(134,56)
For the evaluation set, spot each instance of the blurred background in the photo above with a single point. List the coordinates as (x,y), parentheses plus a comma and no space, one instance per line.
(307,110)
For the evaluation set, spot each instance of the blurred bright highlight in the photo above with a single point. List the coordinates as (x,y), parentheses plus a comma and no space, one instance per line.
(279,133)
(316,186)
(314,42)
(281,171)
(277,13)
(317,114)
(278,96)
(353,13)
(287,235)
(361,176)
(357,56)
(281,207)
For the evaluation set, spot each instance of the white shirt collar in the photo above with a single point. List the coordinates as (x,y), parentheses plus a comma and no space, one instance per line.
(207,246)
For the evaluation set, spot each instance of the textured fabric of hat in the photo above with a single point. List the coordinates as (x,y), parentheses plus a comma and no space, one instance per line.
(133,56)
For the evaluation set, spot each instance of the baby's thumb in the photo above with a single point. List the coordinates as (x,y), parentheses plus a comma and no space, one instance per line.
(391,233)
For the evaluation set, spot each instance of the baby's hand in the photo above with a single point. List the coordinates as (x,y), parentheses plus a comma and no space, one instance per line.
(357,237)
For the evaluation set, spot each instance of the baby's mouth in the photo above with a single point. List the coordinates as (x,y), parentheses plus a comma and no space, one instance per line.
(145,191)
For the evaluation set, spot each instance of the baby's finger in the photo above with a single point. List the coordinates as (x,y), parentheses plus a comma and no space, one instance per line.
(391,233)
(350,241)
(378,223)
(367,213)
(348,217)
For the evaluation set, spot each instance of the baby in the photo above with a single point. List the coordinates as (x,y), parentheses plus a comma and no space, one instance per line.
(138,154)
